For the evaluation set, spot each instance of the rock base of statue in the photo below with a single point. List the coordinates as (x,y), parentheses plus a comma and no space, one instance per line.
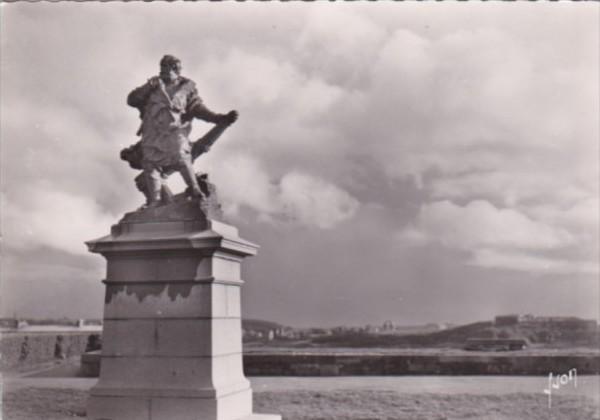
(172,337)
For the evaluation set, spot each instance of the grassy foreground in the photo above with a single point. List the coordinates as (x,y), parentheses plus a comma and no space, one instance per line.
(61,404)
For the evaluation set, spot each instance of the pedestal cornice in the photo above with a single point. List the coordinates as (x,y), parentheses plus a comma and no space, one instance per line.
(200,234)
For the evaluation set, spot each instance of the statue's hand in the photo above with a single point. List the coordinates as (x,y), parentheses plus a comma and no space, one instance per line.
(230,117)
(154,82)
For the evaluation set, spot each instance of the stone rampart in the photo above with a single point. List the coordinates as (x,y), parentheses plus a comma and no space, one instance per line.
(21,349)
(468,364)
(380,365)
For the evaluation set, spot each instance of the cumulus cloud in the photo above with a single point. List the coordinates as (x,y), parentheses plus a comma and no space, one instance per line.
(500,237)
(313,200)
(479,223)
(297,197)
(490,258)
(283,110)
(581,216)
(344,63)
(511,188)
(53,219)
(242,181)
(478,113)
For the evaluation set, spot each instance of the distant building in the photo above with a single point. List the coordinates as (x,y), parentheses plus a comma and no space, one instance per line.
(319,332)
(505,320)
(526,318)
(388,326)
(431,327)
(567,322)
(371,329)
(340,330)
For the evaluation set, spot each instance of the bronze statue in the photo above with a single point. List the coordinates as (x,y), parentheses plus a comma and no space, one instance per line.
(168,103)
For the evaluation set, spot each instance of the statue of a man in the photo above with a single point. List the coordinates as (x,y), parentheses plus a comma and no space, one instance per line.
(168,103)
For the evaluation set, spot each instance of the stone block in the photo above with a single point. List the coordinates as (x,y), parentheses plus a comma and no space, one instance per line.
(226,300)
(149,406)
(172,337)
(194,373)
(111,408)
(176,300)
(225,268)
(165,266)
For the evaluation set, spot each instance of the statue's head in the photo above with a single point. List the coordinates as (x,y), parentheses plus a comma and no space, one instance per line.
(170,68)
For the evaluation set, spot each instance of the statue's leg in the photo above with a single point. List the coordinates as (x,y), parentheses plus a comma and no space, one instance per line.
(189,176)
(202,179)
(153,184)
(165,192)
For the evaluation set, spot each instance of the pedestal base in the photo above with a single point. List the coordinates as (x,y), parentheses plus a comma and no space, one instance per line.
(230,407)
(172,332)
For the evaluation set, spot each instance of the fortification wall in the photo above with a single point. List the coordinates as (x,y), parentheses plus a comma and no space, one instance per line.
(381,365)
(21,349)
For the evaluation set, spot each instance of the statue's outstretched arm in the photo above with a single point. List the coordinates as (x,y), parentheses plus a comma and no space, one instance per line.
(198,110)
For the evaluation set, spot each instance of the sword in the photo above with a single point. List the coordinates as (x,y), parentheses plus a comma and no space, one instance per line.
(204,143)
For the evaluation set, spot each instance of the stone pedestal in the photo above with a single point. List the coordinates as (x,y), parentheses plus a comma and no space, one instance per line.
(172,338)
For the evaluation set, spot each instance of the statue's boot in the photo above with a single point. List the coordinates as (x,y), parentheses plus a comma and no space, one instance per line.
(142,185)
(187,172)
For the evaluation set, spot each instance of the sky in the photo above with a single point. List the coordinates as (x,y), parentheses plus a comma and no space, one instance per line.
(412,162)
